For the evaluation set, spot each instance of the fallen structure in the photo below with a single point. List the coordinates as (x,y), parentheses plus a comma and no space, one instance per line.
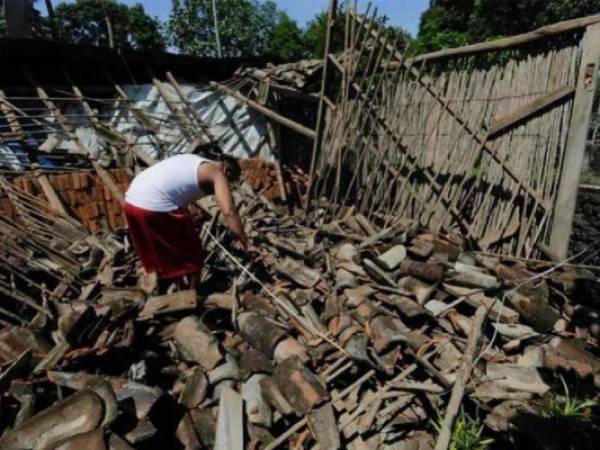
(356,330)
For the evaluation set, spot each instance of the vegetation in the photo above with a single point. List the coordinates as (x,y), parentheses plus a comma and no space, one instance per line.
(466,435)
(450,23)
(567,406)
(87,22)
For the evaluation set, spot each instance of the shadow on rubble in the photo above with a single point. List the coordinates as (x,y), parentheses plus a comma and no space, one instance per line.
(565,433)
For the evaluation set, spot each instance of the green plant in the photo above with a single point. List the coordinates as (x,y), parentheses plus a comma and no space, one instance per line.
(567,406)
(466,435)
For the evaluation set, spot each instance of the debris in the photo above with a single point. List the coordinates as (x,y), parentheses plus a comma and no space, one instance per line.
(393,257)
(166,304)
(230,428)
(80,413)
(196,344)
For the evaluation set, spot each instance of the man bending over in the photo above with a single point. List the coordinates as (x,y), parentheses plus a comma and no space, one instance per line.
(160,224)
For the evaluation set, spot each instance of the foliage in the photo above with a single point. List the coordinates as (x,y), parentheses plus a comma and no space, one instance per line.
(316,32)
(451,23)
(466,435)
(246,28)
(285,39)
(84,22)
(2,23)
(567,406)
(444,24)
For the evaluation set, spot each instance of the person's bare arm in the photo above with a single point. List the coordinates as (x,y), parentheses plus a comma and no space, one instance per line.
(211,173)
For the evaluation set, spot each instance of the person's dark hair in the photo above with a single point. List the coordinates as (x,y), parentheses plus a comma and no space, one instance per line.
(231,168)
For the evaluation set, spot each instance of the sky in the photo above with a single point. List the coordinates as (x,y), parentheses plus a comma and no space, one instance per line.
(403,13)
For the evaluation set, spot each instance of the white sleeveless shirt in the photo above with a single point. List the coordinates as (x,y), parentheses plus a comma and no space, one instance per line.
(167,185)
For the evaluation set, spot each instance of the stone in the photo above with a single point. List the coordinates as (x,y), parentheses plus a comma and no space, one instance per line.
(391,259)
(301,388)
(298,273)
(195,388)
(91,440)
(290,348)
(345,279)
(435,307)
(357,295)
(196,344)
(230,426)
(323,424)
(428,272)
(80,413)
(532,357)
(515,330)
(346,252)
(517,379)
(420,249)
(260,332)
(257,408)
(165,304)
(228,370)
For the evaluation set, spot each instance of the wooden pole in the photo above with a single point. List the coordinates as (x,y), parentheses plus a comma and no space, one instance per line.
(464,373)
(305,131)
(507,42)
(566,199)
(333,6)
(217,35)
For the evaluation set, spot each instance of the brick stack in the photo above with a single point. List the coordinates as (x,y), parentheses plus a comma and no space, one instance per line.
(83,194)
(262,174)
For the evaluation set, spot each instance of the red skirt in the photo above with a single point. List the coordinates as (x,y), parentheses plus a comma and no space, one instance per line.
(167,242)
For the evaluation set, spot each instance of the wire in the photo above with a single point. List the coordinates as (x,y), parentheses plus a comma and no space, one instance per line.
(283,305)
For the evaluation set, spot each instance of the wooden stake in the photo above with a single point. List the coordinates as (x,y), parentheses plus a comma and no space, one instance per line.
(566,199)
(464,373)
(318,139)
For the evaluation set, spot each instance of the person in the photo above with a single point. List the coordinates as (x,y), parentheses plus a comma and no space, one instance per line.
(160,225)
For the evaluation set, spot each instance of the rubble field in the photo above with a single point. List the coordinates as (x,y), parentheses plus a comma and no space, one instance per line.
(343,335)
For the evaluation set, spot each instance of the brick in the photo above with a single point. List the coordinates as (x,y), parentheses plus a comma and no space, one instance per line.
(93,210)
(82,213)
(73,198)
(83,180)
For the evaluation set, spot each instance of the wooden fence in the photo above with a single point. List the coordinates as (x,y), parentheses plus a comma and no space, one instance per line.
(484,141)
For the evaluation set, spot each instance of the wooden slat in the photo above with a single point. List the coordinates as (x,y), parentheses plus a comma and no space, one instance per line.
(188,127)
(503,123)
(305,131)
(51,194)
(479,139)
(205,128)
(576,141)
(318,140)
(10,116)
(109,182)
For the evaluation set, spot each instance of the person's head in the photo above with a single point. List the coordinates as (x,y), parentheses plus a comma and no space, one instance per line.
(231,168)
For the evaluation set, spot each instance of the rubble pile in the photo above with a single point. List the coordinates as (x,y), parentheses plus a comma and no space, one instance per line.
(343,335)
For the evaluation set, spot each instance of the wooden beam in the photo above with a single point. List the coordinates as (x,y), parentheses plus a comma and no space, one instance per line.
(51,194)
(566,199)
(10,116)
(305,131)
(108,180)
(508,42)
(509,120)
(318,140)
(196,116)
(117,139)
(188,127)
